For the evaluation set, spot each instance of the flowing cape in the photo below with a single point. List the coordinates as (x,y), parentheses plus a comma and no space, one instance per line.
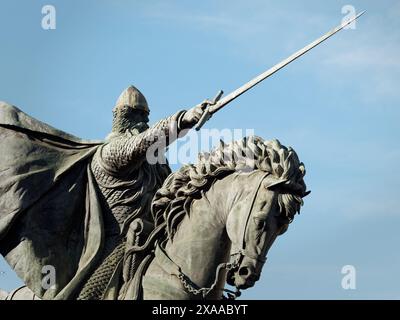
(51,229)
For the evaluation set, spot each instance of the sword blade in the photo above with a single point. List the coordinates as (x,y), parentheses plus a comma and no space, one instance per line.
(233,95)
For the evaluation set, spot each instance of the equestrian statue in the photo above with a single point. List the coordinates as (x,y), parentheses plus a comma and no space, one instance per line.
(112,221)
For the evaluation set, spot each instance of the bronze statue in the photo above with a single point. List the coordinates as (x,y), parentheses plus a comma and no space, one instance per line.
(116,226)
(233,236)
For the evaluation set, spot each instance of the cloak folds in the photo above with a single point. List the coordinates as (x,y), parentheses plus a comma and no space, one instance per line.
(50,212)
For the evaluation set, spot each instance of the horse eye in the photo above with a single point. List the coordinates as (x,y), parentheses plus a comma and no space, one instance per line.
(260,223)
(263,204)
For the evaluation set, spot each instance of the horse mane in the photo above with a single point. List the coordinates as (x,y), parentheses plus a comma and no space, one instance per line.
(172,201)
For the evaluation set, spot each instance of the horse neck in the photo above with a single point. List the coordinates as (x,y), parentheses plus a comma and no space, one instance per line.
(201,243)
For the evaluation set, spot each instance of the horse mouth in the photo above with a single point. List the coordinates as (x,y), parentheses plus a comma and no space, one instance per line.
(241,279)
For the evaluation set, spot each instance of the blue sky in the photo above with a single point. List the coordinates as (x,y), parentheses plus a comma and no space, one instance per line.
(338,107)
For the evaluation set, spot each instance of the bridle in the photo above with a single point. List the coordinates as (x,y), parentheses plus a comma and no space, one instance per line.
(242,249)
(235,259)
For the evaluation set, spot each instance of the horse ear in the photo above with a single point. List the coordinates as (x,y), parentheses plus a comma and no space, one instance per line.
(271,182)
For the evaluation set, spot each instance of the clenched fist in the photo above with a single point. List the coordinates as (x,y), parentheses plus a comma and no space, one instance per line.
(193,115)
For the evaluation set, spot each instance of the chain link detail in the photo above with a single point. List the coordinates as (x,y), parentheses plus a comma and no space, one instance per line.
(195,290)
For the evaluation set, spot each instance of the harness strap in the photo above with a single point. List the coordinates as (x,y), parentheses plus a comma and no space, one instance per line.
(250,255)
(242,251)
(173,269)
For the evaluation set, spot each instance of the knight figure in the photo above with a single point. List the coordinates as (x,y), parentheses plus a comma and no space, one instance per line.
(91,200)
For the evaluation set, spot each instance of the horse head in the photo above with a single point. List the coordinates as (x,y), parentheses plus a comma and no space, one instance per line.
(231,203)
(253,228)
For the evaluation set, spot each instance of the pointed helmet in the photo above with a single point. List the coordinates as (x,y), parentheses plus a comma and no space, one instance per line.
(133,98)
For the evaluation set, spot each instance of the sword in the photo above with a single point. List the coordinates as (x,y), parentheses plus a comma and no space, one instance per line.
(217,104)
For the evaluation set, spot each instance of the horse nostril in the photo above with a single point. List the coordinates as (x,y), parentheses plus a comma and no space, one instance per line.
(244,271)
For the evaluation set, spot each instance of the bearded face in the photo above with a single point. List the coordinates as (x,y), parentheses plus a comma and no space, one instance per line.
(126,118)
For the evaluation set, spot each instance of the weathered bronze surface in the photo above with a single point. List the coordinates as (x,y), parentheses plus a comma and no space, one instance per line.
(114,226)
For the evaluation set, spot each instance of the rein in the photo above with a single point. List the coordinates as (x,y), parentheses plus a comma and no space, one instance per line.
(170,266)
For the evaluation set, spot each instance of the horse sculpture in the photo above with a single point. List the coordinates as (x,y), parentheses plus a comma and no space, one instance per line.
(216,220)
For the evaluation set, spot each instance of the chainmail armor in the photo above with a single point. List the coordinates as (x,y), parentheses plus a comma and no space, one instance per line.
(128,183)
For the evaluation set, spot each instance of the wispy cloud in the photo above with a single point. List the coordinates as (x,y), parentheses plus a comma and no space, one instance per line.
(374,61)
(252,28)
(370,54)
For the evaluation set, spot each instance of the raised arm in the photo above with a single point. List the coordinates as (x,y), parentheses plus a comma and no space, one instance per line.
(126,152)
